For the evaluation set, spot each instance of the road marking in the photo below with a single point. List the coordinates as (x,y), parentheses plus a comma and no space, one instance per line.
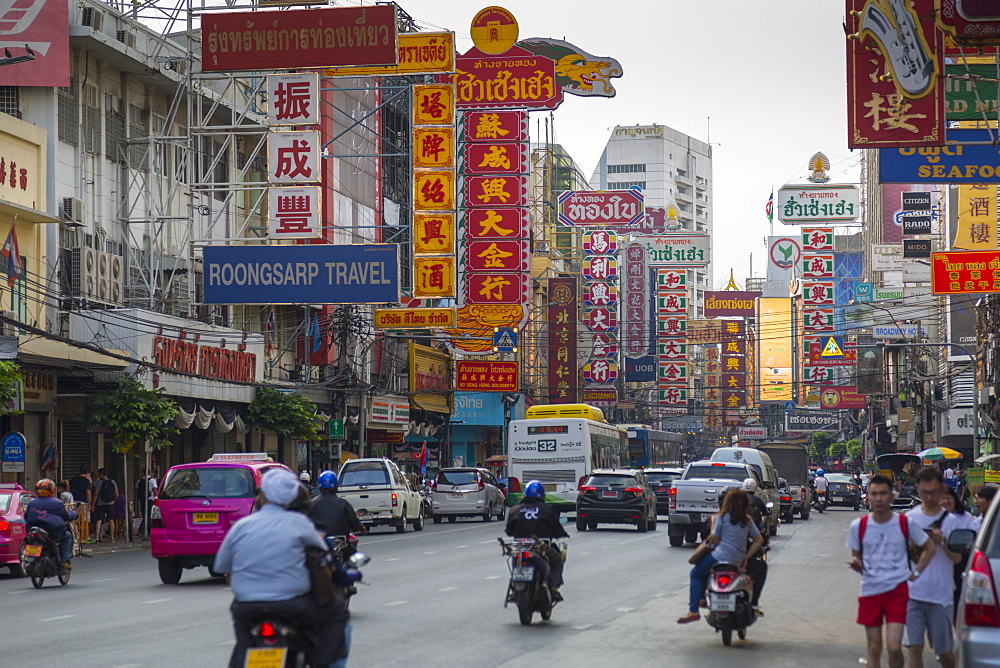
(583,554)
(386,605)
(474,527)
(447,588)
(459,547)
(486,542)
(393,559)
(624,609)
(56,619)
(582,627)
(492,577)
(156,600)
(104,580)
(430,552)
(633,540)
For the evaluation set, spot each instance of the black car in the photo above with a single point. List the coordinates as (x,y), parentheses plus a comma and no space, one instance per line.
(784,501)
(844,490)
(616,497)
(659,481)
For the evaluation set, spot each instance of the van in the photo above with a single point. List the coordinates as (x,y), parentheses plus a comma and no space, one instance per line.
(761,463)
(197,504)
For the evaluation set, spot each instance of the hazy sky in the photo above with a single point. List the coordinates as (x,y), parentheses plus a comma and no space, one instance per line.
(771,76)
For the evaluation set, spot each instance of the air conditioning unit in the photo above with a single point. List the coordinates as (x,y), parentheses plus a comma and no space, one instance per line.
(116,278)
(7,327)
(126,37)
(92,18)
(85,272)
(72,210)
(103,277)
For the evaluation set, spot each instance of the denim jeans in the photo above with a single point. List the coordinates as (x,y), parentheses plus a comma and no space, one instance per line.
(347,645)
(699,581)
(66,545)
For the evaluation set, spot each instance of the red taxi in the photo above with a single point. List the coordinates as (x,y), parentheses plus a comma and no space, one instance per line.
(197,504)
(14,501)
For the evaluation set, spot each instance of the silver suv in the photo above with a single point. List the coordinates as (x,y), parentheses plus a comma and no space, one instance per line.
(977,624)
(466,492)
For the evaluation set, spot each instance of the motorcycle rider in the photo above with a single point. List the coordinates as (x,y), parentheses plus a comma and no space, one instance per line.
(756,566)
(265,556)
(821,484)
(532,517)
(48,512)
(331,514)
(306,481)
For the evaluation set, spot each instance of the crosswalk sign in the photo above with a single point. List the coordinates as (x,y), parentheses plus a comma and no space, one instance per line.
(505,339)
(833,348)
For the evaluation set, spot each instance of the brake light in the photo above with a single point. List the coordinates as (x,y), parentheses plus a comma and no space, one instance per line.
(980,594)
(723,580)
(267,630)
(4,525)
(673,498)
(718,464)
(395,501)
(588,488)
(786,498)
(637,491)
(526,555)
(482,485)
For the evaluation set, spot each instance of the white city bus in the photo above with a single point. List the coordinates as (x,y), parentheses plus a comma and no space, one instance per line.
(559,445)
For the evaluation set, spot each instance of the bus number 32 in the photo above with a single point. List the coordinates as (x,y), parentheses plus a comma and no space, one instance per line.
(547,445)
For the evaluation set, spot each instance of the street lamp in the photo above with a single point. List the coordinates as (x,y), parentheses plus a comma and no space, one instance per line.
(975,400)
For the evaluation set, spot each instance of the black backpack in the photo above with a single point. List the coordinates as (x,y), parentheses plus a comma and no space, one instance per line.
(107,492)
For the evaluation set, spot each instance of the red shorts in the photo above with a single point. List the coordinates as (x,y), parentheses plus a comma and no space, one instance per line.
(891,605)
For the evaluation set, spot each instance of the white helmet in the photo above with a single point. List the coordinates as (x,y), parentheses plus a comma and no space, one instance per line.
(750,485)
(305,477)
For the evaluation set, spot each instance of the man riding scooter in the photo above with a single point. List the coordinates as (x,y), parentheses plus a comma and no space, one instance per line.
(756,565)
(822,485)
(333,515)
(532,517)
(49,513)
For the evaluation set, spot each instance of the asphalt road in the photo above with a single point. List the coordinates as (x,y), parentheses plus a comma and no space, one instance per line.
(437,597)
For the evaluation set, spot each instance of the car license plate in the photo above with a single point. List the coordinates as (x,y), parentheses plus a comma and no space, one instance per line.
(662,489)
(610,495)
(722,603)
(836,498)
(32,550)
(261,657)
(206,518)
(523,574)
(455,495)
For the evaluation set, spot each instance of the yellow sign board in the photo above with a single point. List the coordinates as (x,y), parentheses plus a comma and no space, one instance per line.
(831,348)
(434,276)
(419,53)
(414,318)
(433,147)
(494,30)
(434,104)
(434,233)
(434,191)
(977,218)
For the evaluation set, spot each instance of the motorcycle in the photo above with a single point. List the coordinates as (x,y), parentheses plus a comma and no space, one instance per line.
(730,592)
(345,548)
(41,559)
(528,587)
(278,641)
(819,501)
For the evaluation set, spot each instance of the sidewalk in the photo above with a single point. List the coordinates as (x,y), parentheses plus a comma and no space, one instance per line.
(91,549)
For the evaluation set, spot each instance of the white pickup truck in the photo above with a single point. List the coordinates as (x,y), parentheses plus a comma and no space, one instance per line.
(380,494)
(695,496)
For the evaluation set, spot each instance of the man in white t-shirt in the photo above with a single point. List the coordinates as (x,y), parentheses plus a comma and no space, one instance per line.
(949,473)
(879,551)
(929,611)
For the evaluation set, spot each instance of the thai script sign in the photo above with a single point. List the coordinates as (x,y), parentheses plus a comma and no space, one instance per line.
(414,318)
(812,421)
(805,204)
(678,250)
(953,163)
(314,274)
(419,53)
(886,257)
(486,376)
(965,272)
(841,396)
(615,208)
(517,79)
(970,22)
(211,361)
(893,66)
(293,38)
(730,303)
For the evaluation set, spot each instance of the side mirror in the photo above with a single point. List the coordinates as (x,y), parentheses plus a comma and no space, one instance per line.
(767,484)
(358,559)
(961,541)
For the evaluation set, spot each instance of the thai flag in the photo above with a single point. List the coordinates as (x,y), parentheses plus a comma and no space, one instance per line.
(12,252)
(50,458)
(423,460)
(769,209)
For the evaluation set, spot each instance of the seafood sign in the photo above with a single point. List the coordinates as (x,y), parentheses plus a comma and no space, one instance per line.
(954,163)
(291,38)
(613,208)
(800,204)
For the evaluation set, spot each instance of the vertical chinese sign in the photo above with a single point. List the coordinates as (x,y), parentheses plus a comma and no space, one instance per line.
(976,213)
(636,316)
(433,153)
(672,343)
(733,376)
(562,318)
(818,304)
(293,157)
(894,64)
(600,315)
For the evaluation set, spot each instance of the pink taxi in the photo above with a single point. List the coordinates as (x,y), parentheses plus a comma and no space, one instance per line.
(13,503)
(197,504)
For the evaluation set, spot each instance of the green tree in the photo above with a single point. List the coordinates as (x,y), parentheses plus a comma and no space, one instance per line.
(287,414)
(10,379)
(819,444)
(854,450)
(838,450)
(135,415)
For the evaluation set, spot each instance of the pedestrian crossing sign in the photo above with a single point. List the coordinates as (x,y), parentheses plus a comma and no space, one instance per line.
(505,339)
(833,348)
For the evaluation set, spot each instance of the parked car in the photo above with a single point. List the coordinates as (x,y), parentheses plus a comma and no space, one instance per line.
(381,494)
(466,492)
(844,490)
(14,501)
(616,496)
(197,504)
(787,510)
(660,480)
(977,622)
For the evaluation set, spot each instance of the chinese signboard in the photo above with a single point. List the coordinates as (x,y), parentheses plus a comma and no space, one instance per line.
(970,22)
(294,212)
(614,208)
(486,376)
(294,38)
(293,99)
(806,203)
(419,53)
(976,209)
(434,233)
(293,157)
(965,272)
(562,339)
(414,318)
(488,126)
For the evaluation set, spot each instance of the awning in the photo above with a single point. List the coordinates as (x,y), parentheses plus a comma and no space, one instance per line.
(986,458)
(497,460)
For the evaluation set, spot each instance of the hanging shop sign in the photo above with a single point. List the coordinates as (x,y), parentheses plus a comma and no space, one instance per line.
(496,158)
(487,376)
(577,72)
(963,272)
(211,361)
(886,257)
(313,274)
(611,208)
(970,22)
(434,233)
(39,28)
(495,126)
(950,164)
(496,191)
(294,213)
(562,341)
(295,38)
(419,53)
(678,250)
(916,248)
(293,157)
(841,396)
(803,204)
(812,421)
(516,80)
(976,214)
(498,223)
(414,318)
(293,98)
(433,147)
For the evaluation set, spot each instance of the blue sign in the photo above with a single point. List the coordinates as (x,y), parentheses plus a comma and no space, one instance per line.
(951,163)
(478,408)
(789,406)
(864,292)
(314,274)
(13,447)
(640,370)
(505,339)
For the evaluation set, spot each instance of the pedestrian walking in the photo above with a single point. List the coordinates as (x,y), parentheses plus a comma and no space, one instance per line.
(118,526)
(929,611)
(962,486)
(964,520)
(984,497)
(949,473)
(103,507)
(145,494)
(81,486)
(879,544)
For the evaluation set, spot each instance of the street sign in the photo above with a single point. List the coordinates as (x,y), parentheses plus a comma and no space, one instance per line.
(833,347)
(337,428)
(13,444)
(505,339)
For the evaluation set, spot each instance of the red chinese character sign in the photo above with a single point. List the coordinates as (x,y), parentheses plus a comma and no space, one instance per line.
(493,256)
(293,98)
(294,212)
(495,288)
(498,223)
(562,339)
(496,191)
(487,376)
(293,157)
(970,22)
(496,158)
(496,126)
(517,80)
(600,372)
(894,96)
